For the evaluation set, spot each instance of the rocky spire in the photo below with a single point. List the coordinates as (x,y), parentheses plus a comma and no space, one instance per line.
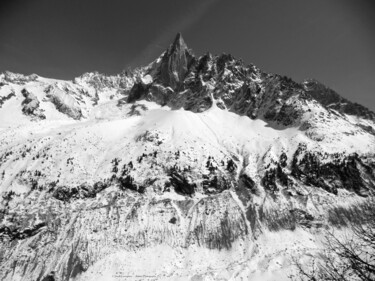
(175,63)
(178,43)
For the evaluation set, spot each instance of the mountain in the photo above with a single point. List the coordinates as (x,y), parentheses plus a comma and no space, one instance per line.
(193,168)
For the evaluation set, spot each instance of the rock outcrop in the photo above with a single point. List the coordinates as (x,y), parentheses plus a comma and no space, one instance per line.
(64,102)
(30,105)
(333,100)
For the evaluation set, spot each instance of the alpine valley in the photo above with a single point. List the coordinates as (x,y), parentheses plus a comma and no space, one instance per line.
(191,168)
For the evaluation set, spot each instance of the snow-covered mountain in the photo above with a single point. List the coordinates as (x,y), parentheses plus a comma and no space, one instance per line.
(191,168)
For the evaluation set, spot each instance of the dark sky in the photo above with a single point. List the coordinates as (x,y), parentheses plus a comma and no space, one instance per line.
(330,40)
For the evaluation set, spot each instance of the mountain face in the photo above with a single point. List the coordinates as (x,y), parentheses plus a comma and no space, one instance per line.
(193,168)
(175,64)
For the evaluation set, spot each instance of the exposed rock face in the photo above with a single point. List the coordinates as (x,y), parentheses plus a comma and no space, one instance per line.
(118,181)
(64,102)
(5,98)
(137,92)
(331,99)
(31,105)
(349,172)
(175,64)
(83,191)
(183,81)
(182,184)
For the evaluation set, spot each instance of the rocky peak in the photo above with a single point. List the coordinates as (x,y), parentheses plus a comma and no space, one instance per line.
(175,63)
(181,80)
(179,43)
(332,100)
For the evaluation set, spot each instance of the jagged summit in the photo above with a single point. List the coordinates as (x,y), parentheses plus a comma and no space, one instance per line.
(175,63)
(181,80)
(178,43)
(332,100)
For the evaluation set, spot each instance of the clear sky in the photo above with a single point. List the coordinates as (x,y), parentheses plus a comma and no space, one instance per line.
(330,40)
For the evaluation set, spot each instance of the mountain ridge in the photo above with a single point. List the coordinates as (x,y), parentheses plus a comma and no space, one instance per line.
(188,168)
(174,60)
